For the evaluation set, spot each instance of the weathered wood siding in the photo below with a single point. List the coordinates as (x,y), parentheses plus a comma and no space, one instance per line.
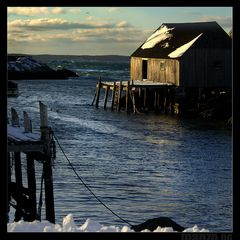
(163,70)
(136,68)
(206,67)
(158,70)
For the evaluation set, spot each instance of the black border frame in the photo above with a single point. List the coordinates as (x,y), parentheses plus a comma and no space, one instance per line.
(235,234)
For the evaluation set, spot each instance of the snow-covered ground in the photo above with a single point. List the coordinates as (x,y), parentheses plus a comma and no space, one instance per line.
(68,225)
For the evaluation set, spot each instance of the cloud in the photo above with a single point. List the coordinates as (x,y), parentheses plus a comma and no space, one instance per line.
(44,24)
(122,24)
(225,22)
(28,11)
(74,10)
(33,11)
(113,9)
(58,10)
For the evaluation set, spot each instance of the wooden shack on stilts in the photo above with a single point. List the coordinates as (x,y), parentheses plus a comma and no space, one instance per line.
(179,63)
(29,146)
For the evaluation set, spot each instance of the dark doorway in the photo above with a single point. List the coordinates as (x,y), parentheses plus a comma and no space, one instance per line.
(144,69)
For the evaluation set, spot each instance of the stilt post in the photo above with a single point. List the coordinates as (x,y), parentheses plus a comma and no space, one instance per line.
(127,96)
(113,96)
(105,98)
(99,85)
(119,96)
(47,166)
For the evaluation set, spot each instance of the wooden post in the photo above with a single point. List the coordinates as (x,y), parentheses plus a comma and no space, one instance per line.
(165,100)
(47,167)
(15,118)
(99,85)
(133,100)
(155,99)
(119,96)
(158,98)
(172,100)
(113,96)
(105,98)
(18,169)
(27,123)
(127,95)
(32,188)
(145,99)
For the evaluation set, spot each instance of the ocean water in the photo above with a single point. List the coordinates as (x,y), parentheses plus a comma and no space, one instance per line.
(141,166)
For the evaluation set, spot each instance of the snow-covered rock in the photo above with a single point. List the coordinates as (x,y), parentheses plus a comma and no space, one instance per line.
(25,67)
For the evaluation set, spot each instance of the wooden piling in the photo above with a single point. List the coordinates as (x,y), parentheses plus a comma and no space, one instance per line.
(113,96)
(27,123)
(145,99)
(31,179)
(99,85)
(18,169)
(133,101)
(47,166)
(15,118)
(105,98)
(127,96)
(119,96)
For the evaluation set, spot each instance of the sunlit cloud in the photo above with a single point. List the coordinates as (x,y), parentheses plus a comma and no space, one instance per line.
(58,10)
(43,24)
(28,11)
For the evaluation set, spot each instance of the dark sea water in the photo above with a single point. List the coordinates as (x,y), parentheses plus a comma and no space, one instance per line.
(142,166)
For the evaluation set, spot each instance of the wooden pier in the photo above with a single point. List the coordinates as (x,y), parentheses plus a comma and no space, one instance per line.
(137,96)
(38,146)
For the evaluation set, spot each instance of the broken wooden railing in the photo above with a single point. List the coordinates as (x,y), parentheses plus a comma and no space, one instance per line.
(36,146)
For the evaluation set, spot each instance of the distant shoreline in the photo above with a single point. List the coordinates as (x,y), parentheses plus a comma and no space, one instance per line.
(50,57)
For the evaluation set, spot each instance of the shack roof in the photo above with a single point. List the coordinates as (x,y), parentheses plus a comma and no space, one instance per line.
(179,37)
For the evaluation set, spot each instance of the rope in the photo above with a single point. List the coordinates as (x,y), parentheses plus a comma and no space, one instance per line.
(88,188)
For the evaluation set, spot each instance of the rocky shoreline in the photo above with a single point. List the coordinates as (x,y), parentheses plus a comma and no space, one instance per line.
(26,67)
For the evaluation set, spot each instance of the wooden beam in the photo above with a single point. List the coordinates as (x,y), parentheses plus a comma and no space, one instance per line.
(26,147)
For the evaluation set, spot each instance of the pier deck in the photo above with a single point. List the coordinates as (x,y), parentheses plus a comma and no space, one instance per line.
(137,95)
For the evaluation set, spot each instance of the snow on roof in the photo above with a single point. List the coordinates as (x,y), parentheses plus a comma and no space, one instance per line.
(18,134)
(181,50)
(171,36)
(157,36)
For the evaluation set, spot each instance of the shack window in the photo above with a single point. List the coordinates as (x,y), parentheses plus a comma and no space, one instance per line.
(144,69)
(162,65)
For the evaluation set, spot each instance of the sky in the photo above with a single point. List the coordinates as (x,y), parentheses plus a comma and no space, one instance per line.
(97,30)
